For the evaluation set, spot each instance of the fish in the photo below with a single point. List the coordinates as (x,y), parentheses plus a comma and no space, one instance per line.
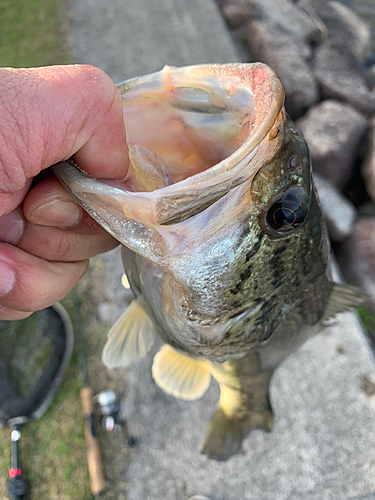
(223,239)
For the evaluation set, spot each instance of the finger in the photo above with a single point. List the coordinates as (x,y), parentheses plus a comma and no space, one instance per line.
(28,283)
(12,315)
(49,114)
(64,245)
(49,204)
(8,201)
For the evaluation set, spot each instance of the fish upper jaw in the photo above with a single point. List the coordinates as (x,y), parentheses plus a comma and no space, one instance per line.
(132,214)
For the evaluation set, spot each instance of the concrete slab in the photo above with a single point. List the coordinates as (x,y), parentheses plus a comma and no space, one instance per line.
(128,38)
(323,444)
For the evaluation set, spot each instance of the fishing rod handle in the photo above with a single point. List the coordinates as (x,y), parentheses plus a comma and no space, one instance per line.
(94,458)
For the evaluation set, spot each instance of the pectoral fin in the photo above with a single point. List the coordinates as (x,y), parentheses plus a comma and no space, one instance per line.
(130,338)
(180,376)
(343,298)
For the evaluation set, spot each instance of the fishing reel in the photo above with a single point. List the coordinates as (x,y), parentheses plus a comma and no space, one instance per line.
(109,408)
(111,421)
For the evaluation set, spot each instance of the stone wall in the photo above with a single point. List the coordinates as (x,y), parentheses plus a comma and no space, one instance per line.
(324,54)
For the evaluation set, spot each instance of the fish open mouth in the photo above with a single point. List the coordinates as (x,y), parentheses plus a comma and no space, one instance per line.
(198,117)
(193,134)
(189,122)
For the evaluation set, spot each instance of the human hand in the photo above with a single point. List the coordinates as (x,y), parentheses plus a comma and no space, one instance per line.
(48,115)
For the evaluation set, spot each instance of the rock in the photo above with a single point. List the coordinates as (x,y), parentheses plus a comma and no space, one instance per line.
(342,25)
(287,17)
(339,212)
(333,132)
(275,49)
(357,256)
(235,14)
(280,34)
(371,60)
(371,76)
(341,77)
(366,210)
(338,62)
(351,29)
(368,166)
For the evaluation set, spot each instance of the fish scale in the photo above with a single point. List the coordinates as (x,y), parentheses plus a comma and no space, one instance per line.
(225,246)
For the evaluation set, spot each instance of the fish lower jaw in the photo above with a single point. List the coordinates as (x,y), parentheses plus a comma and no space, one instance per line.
(217,353)
(207,341)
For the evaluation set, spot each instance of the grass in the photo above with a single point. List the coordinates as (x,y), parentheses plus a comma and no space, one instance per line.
(18,340)
(367,318)
(53,449)
(33,33)
(53,452)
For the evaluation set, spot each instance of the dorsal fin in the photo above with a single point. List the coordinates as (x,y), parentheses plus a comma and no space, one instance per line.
(130,338)
(343,298)
(180,376)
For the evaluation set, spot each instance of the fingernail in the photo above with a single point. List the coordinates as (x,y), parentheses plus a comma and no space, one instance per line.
(7,278)
(56,213)
(11,227)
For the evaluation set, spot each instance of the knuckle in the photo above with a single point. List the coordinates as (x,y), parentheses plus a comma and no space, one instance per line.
(12,315)
(17,133)
(65,245)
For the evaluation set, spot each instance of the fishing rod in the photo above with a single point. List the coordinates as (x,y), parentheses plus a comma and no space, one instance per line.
(94,458)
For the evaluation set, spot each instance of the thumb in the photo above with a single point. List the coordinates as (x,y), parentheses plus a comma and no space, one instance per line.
(49,114)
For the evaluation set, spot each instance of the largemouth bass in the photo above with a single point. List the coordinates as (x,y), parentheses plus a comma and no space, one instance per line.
(224,243)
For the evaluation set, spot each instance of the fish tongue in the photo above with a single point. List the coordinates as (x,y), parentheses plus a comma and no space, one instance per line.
(148,171)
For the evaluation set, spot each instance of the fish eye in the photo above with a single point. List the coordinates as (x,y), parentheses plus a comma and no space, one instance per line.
(289,212)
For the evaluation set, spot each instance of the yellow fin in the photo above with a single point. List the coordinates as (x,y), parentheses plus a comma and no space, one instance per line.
(343,298)
(130,338)
(230,400)
(180,376)
(150,168)
(125,281)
